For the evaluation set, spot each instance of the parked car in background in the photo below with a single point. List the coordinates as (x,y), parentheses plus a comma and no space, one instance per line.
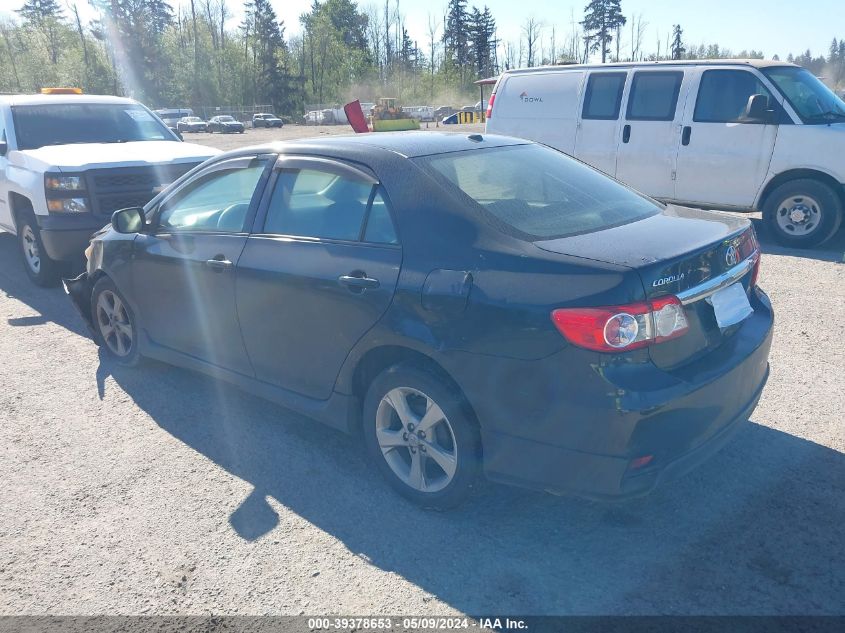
(171,116)
(191,124)
(264,119)
(313,117)
(468,303)
(225,124)
(722,134)
(443,111)
(67,161)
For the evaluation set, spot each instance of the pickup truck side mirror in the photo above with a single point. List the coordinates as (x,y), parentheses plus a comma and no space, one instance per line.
(131,220)
(757,110)
(4,147)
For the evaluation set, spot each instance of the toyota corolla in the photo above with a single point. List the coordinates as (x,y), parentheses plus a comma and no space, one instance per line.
(470,304)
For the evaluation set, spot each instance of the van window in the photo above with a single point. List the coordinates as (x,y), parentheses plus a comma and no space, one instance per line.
(723,95)
(654,96)
(604,96)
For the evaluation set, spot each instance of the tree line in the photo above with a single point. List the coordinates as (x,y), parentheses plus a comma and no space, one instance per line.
(169,54)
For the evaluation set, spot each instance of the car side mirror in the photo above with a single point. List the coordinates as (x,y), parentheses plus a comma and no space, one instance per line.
(179,134)
(757,110)
(131,220)
(4,147)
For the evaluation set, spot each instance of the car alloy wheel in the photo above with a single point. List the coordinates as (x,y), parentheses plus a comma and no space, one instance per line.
(416,439)
(115,324)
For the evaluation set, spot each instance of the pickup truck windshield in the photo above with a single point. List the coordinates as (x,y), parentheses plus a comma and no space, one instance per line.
(64,124)
(537,192)
(812,100)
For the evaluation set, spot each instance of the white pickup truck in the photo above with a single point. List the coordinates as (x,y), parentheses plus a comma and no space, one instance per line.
(68,161)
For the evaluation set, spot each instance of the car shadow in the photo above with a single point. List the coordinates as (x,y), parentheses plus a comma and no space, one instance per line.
(50,304)
(831,251)
(755,530)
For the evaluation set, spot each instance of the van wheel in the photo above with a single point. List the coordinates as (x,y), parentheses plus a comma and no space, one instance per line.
(803,213)
(421,437)
(42,270)
(115,327)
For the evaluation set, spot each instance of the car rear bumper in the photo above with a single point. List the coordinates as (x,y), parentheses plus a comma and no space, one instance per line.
(569,424)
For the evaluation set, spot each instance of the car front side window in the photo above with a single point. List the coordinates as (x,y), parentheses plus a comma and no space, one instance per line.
(216,200)
(723,95)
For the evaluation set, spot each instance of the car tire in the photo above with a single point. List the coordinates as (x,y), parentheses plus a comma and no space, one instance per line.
(116,329)
(803,213)
(436,466)
(39,267)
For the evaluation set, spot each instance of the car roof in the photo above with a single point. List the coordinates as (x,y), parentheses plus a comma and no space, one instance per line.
(754,63)
(406,144)
(65,99)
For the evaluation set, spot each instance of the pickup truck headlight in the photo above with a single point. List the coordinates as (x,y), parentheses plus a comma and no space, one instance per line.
(64,183)
(67,205)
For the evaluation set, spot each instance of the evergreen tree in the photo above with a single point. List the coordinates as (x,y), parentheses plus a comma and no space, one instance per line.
(456,37)
(45,16)
(677,50)
(601,19)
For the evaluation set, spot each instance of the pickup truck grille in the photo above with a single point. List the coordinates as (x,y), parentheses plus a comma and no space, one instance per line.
(121,187)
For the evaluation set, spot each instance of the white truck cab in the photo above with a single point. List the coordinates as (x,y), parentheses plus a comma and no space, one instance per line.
(724,134)
(68,161)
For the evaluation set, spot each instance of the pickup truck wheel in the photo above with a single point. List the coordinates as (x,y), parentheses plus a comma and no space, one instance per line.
(115,327)
(42,270)
(803,213)
(421,437)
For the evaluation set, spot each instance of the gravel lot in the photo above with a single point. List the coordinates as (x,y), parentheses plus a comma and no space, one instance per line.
(158,490)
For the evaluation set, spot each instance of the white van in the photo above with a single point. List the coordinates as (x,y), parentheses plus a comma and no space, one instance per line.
(726,134)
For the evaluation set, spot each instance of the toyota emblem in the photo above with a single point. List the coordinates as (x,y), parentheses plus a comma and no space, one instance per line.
(732,255)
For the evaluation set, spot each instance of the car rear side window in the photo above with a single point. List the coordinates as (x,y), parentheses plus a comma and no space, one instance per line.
(723,95)
(604,96)
(654,96)
(320,204)
(536,192)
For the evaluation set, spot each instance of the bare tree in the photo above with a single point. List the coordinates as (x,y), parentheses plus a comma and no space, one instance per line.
(433,28)
(531,31)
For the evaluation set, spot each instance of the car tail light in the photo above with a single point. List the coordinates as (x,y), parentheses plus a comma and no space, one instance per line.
(749,246)
(622,328)
(489,114)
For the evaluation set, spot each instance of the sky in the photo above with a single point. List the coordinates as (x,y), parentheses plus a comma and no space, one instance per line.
(778,27)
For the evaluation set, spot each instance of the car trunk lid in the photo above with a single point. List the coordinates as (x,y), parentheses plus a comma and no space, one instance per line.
(677,252)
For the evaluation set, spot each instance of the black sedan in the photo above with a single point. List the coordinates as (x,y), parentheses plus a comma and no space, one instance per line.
(469,303)
(191,124)
(225,124)
(264,119)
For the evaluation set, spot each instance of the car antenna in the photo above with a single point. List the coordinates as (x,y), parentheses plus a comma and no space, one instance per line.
(477,138)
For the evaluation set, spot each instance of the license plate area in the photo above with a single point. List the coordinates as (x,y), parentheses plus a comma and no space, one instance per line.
(730,305)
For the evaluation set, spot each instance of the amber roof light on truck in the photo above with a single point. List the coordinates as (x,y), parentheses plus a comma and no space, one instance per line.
(61,91)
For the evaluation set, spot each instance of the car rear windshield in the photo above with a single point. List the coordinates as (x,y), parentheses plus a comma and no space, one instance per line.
(68,123)
(537,192)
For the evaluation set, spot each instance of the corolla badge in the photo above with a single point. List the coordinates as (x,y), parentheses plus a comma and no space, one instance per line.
(667,280)
(732,255)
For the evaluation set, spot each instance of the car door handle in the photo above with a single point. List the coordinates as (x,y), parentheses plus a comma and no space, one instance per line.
(358,282)
(686,134)
(218,264)
(626,133)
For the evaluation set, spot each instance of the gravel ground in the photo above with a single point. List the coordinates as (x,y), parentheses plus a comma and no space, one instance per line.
(157,490)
